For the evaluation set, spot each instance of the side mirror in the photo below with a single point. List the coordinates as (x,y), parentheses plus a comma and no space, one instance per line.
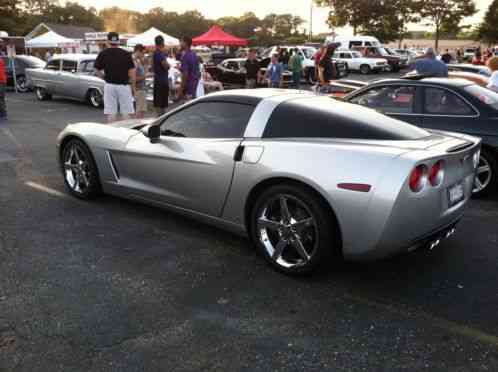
(154,133)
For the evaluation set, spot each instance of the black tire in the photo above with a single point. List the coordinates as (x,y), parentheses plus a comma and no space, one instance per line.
(21,84)
(93,189)
(41,94)
(324,235)
(488,158)
(365,69)
(95,98)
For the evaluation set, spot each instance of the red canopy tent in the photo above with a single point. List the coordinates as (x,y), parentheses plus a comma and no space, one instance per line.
(216,36)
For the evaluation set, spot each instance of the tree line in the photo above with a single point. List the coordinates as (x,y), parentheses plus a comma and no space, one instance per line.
(19,17)
(389,20)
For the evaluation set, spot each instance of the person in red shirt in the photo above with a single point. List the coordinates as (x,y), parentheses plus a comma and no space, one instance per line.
(3,85)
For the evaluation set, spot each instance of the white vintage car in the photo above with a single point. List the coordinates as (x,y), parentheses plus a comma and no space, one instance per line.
(70,76)
(356,62)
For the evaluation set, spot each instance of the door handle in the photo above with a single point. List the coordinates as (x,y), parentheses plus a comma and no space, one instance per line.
(239,151)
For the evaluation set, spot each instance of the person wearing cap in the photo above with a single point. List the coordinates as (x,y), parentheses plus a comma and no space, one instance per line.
(140,76)
(3,86)
(116,67)
(161,76)
(428,65)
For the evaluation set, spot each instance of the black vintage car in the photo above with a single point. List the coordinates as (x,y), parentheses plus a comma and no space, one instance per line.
(232,72)
(455,105)
(19,64)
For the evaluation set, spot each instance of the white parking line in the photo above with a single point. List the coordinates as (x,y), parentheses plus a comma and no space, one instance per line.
(45,189)
(13,138)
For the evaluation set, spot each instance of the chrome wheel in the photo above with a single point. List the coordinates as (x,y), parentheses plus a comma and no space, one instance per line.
(77,170)
(288,231)
(40,94)
(483,175)
(96,98)
(21,84)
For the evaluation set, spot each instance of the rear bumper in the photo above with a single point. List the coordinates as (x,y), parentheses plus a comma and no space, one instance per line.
(434,238)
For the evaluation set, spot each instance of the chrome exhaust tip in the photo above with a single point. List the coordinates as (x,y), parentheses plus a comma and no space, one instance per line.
(434,244)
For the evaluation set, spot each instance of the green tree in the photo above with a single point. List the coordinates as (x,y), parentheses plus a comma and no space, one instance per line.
(488,29)
(385,19)
(446,14)
(73,14)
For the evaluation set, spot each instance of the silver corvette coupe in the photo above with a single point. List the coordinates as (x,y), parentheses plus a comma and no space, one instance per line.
(307,178)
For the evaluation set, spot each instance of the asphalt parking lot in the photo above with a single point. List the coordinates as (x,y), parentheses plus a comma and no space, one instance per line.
(111,285)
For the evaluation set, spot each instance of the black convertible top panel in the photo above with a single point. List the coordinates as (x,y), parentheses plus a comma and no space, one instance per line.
(321,117)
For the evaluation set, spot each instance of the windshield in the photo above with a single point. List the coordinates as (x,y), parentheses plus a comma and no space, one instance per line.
(486,96)
(383,52)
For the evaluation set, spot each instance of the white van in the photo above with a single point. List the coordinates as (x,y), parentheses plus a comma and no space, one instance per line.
(354,41)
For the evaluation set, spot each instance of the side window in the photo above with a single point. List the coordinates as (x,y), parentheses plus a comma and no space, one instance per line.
(232,65)
(346,55)
(69,66)
(54,64)
(209,120)
(368,43)
(355,43)
(87,67)
(443,102)
(393,99)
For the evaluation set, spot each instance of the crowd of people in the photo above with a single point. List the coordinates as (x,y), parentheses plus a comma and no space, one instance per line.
(180,75)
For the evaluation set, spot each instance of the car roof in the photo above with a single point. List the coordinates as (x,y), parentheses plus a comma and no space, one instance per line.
(426,81)
(254,96)
(75,57)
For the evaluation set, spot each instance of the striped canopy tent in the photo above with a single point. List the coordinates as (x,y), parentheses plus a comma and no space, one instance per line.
(216,36)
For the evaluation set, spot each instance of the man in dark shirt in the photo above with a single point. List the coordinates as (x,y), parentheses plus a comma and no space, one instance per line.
(253,73)
(161,81)
(190,70)
(116,67)
(446,57)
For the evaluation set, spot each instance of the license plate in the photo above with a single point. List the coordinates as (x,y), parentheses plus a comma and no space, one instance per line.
(456,194)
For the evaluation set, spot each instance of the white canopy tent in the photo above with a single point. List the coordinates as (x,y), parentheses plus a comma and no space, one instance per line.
(51,40)
(147,39)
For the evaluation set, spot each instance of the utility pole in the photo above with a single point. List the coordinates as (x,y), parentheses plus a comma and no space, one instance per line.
(311,20)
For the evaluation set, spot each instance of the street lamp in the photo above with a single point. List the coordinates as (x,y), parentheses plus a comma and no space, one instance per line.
(311,20)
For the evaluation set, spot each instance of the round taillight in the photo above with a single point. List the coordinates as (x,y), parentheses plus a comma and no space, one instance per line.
(418,178)
(436,174)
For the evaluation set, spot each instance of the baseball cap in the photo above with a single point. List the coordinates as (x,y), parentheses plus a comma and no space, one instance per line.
(113,37)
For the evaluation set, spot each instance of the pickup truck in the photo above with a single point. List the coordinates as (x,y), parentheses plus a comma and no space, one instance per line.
(70,76)
(356,62)
(379,52)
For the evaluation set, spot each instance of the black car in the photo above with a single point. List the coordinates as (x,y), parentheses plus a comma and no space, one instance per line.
(454,105)
(19,64)
(232,72)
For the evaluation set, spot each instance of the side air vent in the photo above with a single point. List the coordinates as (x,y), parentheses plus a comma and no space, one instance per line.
(460,147)
(115,171)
